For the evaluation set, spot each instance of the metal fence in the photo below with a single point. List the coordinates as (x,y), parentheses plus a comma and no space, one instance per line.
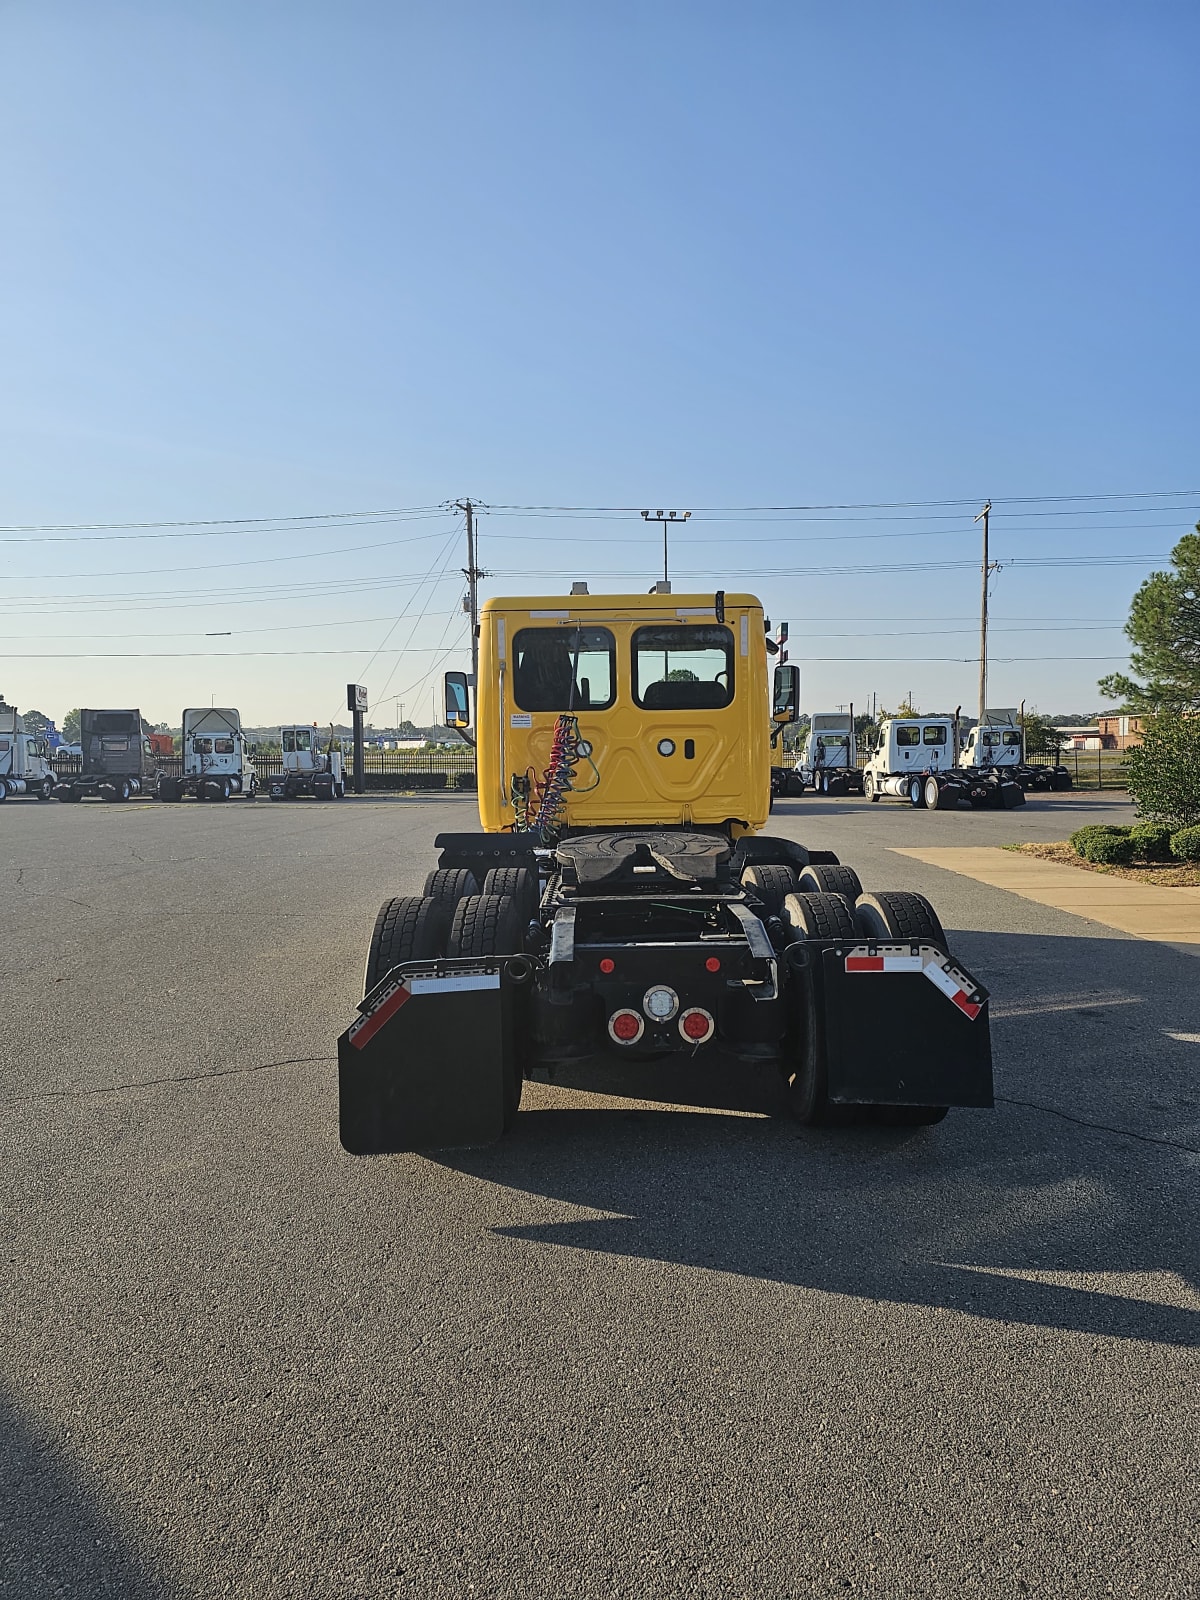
(384,769)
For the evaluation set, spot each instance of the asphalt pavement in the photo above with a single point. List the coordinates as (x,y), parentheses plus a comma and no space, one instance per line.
(660,1342)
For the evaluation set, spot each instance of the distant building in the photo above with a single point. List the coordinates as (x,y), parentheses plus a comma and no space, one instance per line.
(1083,739)
(1119,732)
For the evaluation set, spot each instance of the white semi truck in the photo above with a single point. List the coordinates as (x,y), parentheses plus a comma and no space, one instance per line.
(307,768)
(998,745)
(828,760)
(914,760)
(217,761)
(24,758)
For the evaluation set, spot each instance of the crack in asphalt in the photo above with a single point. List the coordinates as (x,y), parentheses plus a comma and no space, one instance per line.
(298,1061)
(145,1083)
(1103,1127)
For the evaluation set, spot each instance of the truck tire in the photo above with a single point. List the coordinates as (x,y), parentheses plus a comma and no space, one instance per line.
(3,791)
(831,880)
(69,794)
(519,883)
(451,884)
(793,786)
(916,793)
(869,789)
(167,789)
(818,916)
(934,796)
(895,914)
(1011,794)
(485,925)
(409,928)
(771,885)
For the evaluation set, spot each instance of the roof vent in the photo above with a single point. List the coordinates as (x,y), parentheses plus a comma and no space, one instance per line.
(579,586)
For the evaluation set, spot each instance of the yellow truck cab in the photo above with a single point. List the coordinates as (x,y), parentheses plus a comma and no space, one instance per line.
(621,900)
(669,694)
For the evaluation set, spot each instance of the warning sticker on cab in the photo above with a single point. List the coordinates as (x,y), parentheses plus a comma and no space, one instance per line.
(521,719)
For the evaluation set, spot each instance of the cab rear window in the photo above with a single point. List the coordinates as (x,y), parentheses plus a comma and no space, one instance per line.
(908,736)
(564,669)
(685,668)
(934,735)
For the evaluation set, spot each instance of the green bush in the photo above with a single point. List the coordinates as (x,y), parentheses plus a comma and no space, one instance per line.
(1082,837)
(1111,850)
(1185,845)
(1153,841)
(1164,770)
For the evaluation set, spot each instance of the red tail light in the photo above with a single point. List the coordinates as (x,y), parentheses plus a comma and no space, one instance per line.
(697,1025)
(626,1027)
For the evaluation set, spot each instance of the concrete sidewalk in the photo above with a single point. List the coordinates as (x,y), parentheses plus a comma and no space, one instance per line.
(1168,916)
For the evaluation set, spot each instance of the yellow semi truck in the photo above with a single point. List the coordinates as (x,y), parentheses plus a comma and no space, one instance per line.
(622,897)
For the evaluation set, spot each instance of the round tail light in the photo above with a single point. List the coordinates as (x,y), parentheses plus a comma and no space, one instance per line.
(626,1027)
(697,1025)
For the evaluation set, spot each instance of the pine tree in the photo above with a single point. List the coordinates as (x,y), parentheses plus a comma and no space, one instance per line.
(1164,626)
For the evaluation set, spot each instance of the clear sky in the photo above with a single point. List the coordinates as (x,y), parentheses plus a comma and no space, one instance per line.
(275,260)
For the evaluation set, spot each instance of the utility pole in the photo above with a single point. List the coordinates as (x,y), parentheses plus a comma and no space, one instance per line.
(983,615)
(472,574)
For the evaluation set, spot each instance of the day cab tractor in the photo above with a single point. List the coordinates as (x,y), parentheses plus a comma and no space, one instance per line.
(914,761)
(117,760)
(308,770)
(997,745)
(828,761)
(622,900)
(24,758)
(217,762)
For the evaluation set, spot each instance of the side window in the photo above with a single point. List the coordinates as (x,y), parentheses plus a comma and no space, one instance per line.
(564,669)
(908,736)
(1013,738)
(933,735)
(202,747)
(303,739)
(289,742)
(223,747)
(685,668)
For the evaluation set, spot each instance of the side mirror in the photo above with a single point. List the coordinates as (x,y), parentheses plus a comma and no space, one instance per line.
(458,704)
(785,698)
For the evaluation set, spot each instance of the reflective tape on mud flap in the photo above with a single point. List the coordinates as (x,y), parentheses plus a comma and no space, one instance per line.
(397,994)
(955,983)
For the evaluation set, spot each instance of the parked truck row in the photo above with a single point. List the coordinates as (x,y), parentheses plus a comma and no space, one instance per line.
(118,761)
(919,759)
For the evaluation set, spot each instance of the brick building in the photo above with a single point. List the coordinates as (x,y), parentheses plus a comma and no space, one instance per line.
(1119,732)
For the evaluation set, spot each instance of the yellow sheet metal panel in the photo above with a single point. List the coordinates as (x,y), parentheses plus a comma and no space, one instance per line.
(673,703)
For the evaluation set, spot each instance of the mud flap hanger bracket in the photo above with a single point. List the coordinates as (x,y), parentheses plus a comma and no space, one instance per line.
(758,942)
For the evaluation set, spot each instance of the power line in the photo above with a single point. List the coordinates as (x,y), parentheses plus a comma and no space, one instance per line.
(236,524)
(187,527)
(278,627)
(223,566)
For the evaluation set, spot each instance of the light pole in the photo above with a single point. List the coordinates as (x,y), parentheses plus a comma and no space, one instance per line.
(666,518)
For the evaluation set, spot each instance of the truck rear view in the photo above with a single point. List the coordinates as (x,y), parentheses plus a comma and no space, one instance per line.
(622,903)
(116,758)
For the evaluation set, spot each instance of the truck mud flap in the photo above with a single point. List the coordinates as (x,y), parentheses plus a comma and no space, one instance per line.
(431,1060)
(900,1024)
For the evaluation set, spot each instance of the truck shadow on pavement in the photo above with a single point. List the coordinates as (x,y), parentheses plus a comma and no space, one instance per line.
(55,1538)
(1070,1206)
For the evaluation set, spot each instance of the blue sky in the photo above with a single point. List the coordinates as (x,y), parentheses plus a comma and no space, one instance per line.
(273,260)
